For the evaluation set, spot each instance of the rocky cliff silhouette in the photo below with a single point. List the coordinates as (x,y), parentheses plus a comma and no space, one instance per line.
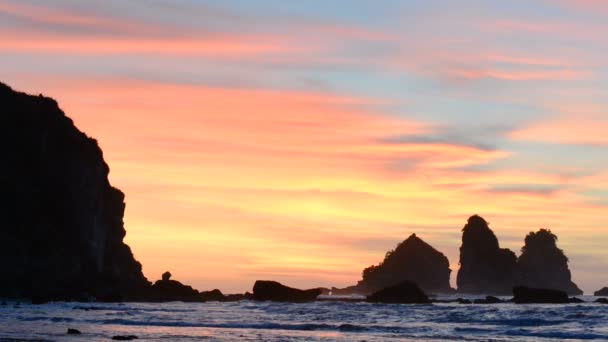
(484,266)
(543,265)
(412,260)
(62,221)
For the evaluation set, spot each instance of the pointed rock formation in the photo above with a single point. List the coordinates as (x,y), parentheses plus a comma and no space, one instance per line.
(62,222)
(543,265)
(413,260)
(484,267)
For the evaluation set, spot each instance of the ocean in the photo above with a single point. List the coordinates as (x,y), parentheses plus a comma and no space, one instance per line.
(316,321)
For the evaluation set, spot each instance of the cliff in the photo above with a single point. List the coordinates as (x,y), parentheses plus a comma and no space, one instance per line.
(412,260)
(62,222)
(484,266)
(543,265)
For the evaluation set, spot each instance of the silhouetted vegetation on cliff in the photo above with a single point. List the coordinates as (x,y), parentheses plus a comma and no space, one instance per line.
(413,260)
(543,265)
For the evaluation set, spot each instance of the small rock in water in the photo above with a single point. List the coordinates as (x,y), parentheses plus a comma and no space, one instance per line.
(73,331)
(464,301)
(602,300)
(526,295)
(488,300)
(124,337)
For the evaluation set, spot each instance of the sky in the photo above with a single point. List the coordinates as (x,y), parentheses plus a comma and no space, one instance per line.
(300,140)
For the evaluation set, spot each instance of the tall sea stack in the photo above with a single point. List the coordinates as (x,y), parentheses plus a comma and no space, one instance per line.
(543,265)
(62,222)
(484,266)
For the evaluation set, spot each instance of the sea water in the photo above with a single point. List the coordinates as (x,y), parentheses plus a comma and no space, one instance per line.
(316,321)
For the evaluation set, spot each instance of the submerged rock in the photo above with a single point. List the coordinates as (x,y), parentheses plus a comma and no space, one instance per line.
(73,331)
(602,300)
(526,295)
(543,265)
(62,222)
(406,292)
(484,266)
(603,292)
(275,291)
(488,300)
(124,337)
(238,296)
(412,260)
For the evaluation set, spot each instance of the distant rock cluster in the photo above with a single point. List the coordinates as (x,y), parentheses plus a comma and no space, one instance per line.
(485,268)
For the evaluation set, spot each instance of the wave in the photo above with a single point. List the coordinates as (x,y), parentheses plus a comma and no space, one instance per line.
(344,327)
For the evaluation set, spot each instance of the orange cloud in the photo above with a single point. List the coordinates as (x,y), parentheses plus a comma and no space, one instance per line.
(583,124)
(82,45)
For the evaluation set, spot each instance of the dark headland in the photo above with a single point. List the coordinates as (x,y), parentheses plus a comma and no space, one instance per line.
(62,228)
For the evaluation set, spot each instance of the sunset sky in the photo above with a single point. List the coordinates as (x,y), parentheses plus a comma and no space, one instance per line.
(300,140)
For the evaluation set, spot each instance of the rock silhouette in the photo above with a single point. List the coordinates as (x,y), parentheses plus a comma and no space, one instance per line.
(526,295)
(543,265)
(62,221)
(488,300)
(484,266)
(603,292)
(413,260)
(165,290)
(212,296)
(124,337)
(275,291)
(405,292)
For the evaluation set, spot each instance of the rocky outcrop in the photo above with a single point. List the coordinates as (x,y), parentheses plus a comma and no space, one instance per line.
(275,291)
(166,290)
(212,296)
(526,295)
(484,266)
(62,222)
(543,265)
(405,292)
(349,290)
(488,300)
(603,292)
(413,260)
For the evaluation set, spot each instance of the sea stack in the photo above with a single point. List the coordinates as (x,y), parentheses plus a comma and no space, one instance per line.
(412,260)
(62,222)
(485,268)
(543,265)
